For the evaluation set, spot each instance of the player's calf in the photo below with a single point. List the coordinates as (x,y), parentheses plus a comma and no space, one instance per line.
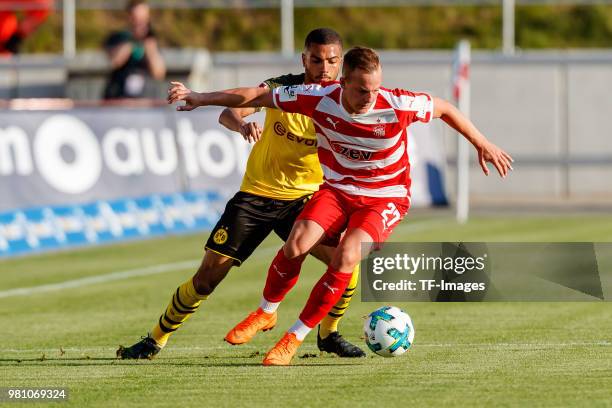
(213,269)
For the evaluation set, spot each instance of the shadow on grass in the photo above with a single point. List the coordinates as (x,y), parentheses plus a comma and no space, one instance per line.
(171,362)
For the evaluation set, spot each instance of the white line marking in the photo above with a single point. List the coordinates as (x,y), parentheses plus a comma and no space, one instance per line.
(109,277)
(119,275)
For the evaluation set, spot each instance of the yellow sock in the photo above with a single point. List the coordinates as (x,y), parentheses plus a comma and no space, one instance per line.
(329,323)
(184,302)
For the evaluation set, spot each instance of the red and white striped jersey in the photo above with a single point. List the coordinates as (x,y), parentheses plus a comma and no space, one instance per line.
(362,154)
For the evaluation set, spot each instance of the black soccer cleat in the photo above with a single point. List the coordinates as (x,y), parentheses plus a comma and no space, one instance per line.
(335,343)
(145,348)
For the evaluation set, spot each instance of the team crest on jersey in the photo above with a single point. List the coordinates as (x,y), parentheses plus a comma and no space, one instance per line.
(379,131)
(220,236)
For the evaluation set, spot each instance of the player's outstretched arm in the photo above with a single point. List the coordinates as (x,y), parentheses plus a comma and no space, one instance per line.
(234,98)
(487,151)
(233,119)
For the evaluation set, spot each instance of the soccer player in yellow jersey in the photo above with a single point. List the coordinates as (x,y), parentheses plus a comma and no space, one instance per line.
(283,172)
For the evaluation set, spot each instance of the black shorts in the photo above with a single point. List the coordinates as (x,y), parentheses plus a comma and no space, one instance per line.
(248,219)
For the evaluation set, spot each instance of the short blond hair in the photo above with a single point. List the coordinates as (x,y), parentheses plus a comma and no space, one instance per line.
(362,58)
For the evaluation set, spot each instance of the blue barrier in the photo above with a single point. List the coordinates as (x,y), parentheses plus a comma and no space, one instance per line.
(58,227)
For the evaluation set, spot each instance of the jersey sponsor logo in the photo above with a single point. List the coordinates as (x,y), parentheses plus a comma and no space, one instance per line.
(220,236)
(351,154)
(280,130)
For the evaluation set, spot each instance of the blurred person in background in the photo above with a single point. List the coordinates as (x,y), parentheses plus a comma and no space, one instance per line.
(18,19)
(134,55)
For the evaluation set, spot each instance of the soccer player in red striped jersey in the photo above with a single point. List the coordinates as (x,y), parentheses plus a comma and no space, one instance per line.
(362,147)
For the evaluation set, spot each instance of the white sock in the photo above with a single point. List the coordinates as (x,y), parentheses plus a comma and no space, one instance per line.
(268,307)
(300,330)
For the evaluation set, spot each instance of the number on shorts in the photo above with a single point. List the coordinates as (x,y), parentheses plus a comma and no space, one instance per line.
(390,216)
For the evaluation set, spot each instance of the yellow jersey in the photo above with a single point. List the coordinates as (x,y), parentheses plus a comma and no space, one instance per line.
(283,164)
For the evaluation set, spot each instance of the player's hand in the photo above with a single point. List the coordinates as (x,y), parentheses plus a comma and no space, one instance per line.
(251,132)
(179,92)
(502,161)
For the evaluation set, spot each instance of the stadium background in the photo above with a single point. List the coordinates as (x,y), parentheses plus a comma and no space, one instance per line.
(545,101)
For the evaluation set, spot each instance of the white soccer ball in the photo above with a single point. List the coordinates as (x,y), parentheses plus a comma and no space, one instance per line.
(388,331)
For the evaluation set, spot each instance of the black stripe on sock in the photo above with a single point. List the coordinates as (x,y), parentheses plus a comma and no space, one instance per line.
(332,314)
(164,328)
(353,288)
(340,308)
(178,309)
(178,299)
(347,296)
(170,320)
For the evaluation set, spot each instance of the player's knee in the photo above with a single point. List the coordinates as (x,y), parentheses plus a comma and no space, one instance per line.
(346,258)
(294,250)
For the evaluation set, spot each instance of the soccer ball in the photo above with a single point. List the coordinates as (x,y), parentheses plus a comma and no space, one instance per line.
(388,331)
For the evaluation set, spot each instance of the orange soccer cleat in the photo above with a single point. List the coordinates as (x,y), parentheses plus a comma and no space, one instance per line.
(248,328)
(282,353)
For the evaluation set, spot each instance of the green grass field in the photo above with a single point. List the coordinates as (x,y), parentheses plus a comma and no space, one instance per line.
(465,354)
